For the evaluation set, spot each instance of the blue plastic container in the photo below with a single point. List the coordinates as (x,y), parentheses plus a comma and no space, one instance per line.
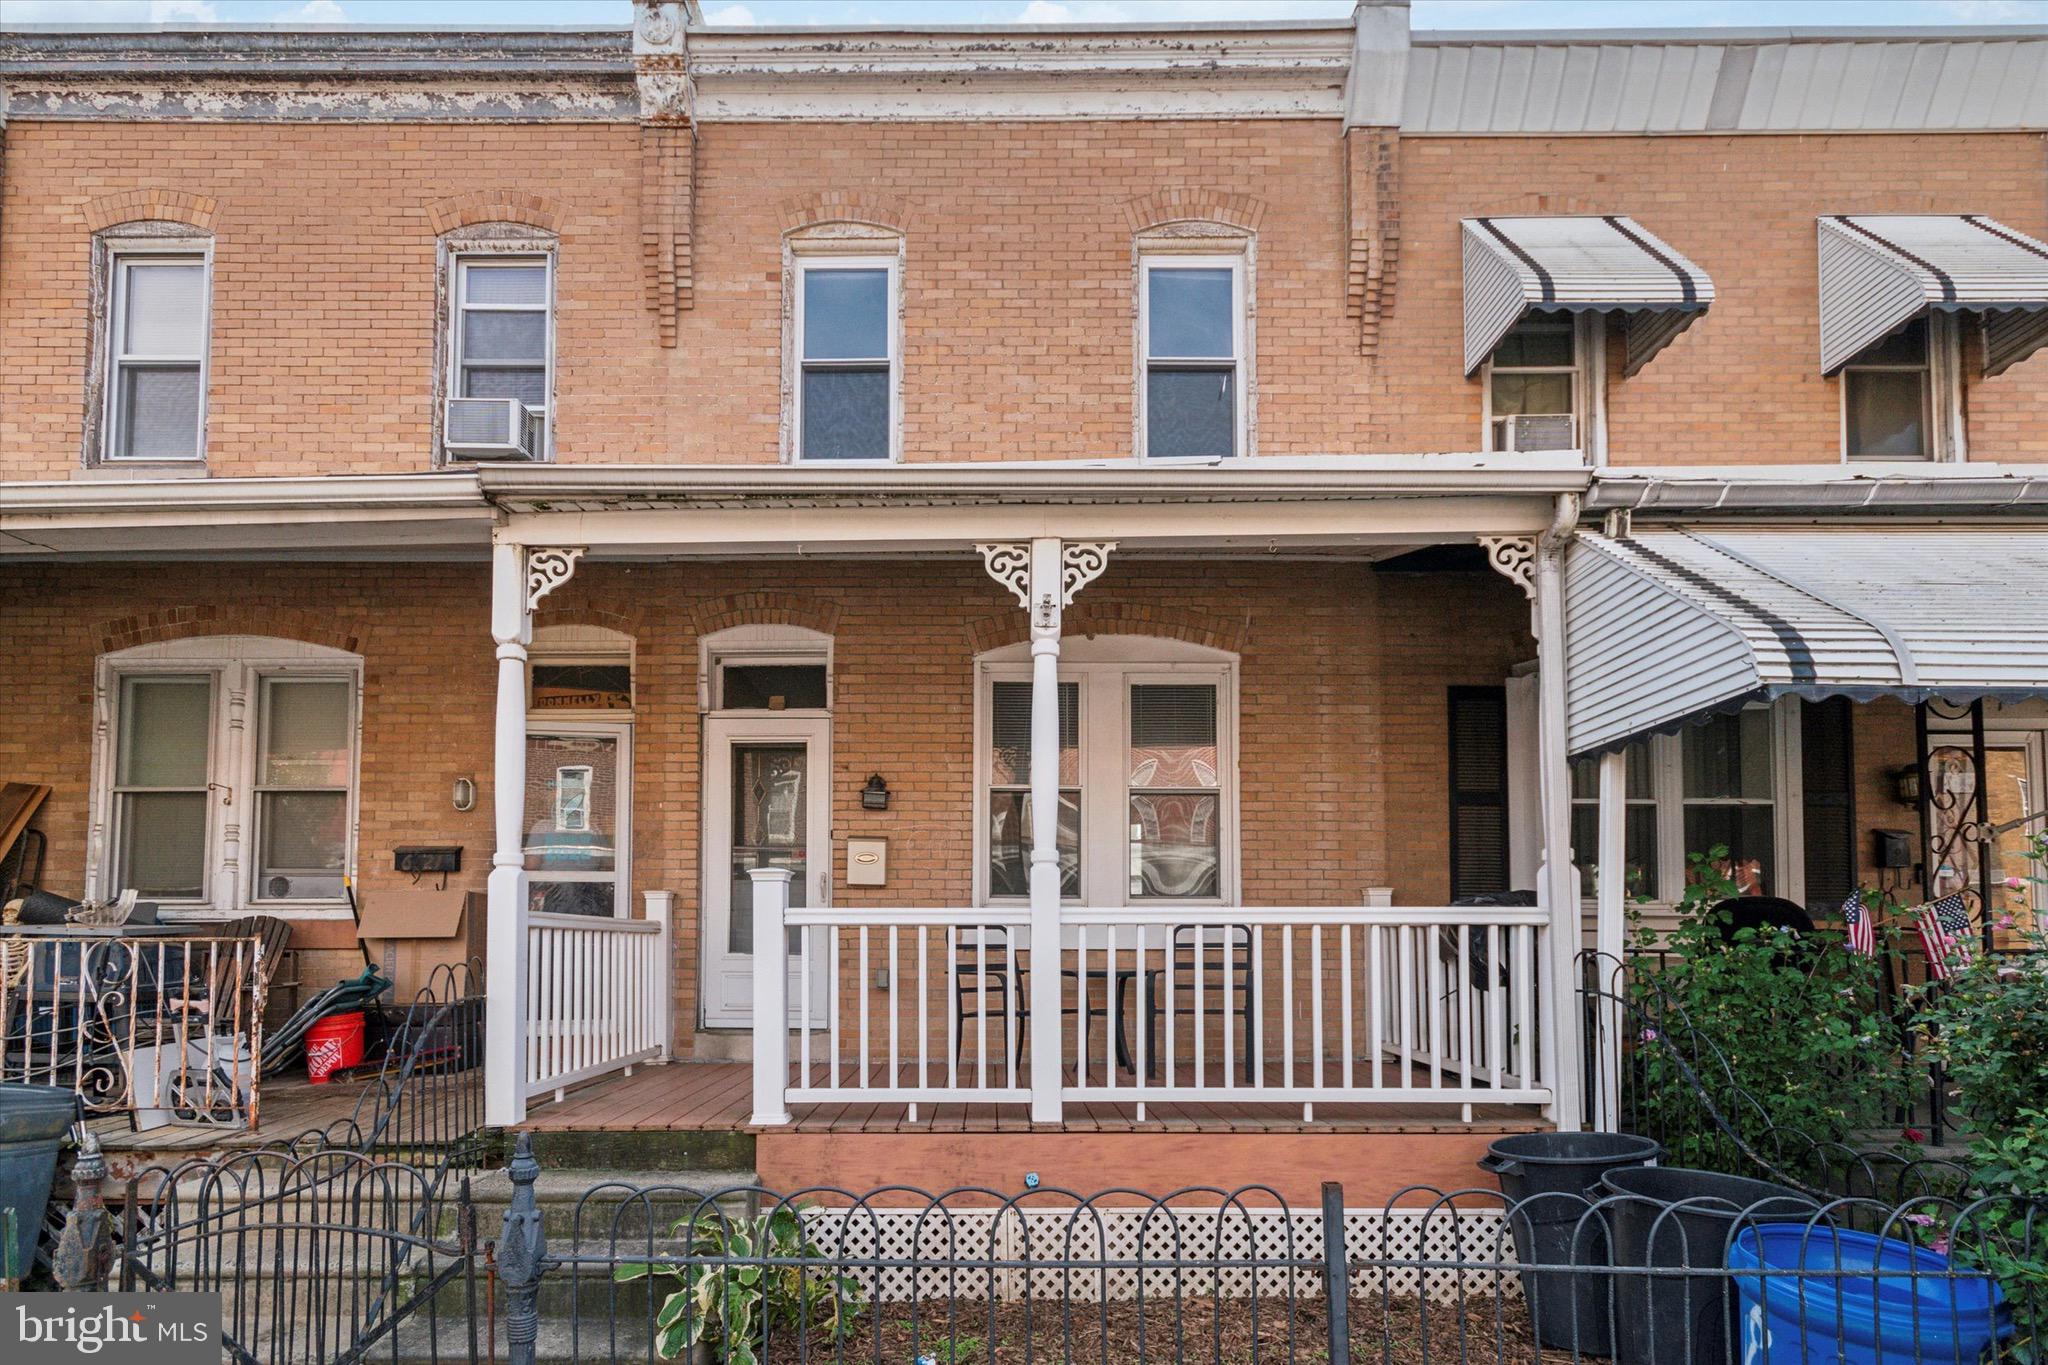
(1904,1300)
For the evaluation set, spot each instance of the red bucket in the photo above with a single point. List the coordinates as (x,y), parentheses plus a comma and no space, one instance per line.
(334,1044)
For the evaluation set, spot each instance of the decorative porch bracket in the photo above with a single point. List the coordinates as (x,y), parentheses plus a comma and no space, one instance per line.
(1045,575)
(1535,565)
(548,568)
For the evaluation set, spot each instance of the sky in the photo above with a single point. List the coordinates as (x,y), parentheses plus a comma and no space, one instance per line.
(1428,14)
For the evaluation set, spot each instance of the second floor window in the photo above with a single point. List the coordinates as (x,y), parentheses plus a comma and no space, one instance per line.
(1888,399)
(501,381)
(156,363)
(1532,387)
(1192,335)
(846,358)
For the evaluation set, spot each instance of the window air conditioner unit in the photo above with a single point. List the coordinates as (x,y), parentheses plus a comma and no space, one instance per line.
(494,429)
(1558,431)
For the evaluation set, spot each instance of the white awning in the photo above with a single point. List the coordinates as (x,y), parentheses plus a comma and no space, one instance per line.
(1604,264)
(1667,626)
(1879,273)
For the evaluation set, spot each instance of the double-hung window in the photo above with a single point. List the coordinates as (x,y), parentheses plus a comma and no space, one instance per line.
(1732,783)
(230,774)
(847,358)
(502,353)
(156,355)
(1145,807)
(1533,386)
(1888,398)
(1191,334)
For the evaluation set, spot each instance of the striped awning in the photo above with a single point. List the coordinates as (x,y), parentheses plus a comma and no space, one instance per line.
(1879,273)
(1667,626)
(1607,264)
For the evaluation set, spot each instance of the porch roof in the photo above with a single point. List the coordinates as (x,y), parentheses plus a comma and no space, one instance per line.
(1666,626)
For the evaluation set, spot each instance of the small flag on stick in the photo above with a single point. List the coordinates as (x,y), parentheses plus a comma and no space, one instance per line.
(1856,916)
(1944,927)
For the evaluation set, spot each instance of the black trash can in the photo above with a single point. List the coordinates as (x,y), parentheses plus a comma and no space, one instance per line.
(1551,1180)
(1673,1218)
(33,1121)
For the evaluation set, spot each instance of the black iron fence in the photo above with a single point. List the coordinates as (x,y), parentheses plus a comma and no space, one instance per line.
(341,1257)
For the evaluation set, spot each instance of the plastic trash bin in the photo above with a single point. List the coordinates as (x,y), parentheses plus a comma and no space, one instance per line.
(1907,1304)
(1668,1217)
(1552,1179)
(33,1121)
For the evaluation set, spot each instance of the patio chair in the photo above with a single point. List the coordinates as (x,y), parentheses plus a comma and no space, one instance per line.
(1477,964)
(1226,972)
(982,989)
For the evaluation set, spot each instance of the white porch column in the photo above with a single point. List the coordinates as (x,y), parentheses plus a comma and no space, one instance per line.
(771,995)
(1045,575)
(1536,566)
(505,998)
(1611,885)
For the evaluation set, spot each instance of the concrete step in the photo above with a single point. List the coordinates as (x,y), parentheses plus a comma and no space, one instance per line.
(652,1150)
(610,1203)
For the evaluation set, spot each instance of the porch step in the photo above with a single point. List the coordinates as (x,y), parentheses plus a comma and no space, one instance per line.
(610,1149)
(610,1204)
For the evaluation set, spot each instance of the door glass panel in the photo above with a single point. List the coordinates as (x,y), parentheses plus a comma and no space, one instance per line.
(572,823)
(770,828)
(2013,799)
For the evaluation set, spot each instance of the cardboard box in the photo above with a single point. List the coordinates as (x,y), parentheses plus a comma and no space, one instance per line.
(413,931)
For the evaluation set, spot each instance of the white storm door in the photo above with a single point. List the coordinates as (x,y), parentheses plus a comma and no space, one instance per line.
(767,803)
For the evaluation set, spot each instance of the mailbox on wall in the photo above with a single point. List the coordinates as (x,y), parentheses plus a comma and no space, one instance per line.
(867,861)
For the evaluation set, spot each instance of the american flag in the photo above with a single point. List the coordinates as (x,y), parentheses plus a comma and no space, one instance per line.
(1944,927)
(1856,915)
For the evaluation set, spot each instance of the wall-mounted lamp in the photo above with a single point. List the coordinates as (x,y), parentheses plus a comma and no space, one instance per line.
(875,795)
(1906,784)
(465,794)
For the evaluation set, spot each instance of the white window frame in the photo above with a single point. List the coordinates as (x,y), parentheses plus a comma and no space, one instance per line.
(1233,254)
(122,254)
(1105,668)
(562,810)
(1941,397)
(1586,336)
(771,646)
(806,259)
(550,725)
(511,252)
(238,666)
(1667,783)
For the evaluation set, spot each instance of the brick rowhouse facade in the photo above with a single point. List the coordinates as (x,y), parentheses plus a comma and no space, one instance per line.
(1018,307)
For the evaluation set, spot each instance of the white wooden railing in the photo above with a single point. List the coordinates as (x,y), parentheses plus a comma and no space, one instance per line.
(599,994)
(1383,1006)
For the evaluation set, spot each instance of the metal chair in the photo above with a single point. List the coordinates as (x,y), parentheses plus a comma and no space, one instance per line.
(1226,972)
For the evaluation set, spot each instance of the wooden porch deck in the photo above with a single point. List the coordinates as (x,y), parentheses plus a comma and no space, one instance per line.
(718,1096)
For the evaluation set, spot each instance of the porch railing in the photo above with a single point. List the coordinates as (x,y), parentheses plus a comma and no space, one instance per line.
(162,1027)
(598,995)
(1184,1006)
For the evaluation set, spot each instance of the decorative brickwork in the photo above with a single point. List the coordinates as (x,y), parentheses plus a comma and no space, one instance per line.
(494,206)
(153,204)
(1372,182)
(1192,204)
(1113,616)
(186,622)
(668,170)
(847,206)
(764,609)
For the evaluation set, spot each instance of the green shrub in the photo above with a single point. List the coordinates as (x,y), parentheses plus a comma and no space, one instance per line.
(1799,1020)
(730,1298)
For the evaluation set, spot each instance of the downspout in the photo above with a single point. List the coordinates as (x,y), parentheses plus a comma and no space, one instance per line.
(1560,888)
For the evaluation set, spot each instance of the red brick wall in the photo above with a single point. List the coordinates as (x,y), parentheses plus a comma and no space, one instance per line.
(1341,741)
(1018,280)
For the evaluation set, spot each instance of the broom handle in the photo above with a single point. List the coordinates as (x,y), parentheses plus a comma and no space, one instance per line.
(356,915)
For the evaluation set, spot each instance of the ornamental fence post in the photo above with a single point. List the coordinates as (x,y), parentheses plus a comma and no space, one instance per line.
(85,1249)
(1336,1273)
(521,1251)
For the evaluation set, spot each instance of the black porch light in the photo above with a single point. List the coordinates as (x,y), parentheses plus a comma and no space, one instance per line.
(1906,784)
(875,795)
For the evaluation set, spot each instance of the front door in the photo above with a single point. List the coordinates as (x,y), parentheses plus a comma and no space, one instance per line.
(767,803)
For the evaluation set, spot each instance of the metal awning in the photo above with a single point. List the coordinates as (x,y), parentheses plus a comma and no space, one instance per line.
(1667,626)
(1607,264)
(1879,273)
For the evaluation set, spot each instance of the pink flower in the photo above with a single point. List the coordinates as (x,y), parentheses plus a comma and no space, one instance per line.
(1923,1220)
(2004,922)
(1649,1035)
(2014,884)
(1940,1244)
(1913,1135)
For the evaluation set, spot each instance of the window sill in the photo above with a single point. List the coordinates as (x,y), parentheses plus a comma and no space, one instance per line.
(203,914)
(116,471)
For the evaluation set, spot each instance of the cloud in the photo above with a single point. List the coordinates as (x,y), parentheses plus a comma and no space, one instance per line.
(182,12)
(316,12)
(1079,12)
(731,14)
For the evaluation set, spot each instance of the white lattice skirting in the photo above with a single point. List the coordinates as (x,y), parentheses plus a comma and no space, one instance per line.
(955,1252)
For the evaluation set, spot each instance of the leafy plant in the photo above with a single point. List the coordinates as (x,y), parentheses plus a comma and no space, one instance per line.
(1798,1020)
(742,1280)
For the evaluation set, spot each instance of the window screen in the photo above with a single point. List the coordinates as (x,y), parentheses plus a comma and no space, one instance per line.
(302,781)
(160,786)
(845,366)
(1191,361)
